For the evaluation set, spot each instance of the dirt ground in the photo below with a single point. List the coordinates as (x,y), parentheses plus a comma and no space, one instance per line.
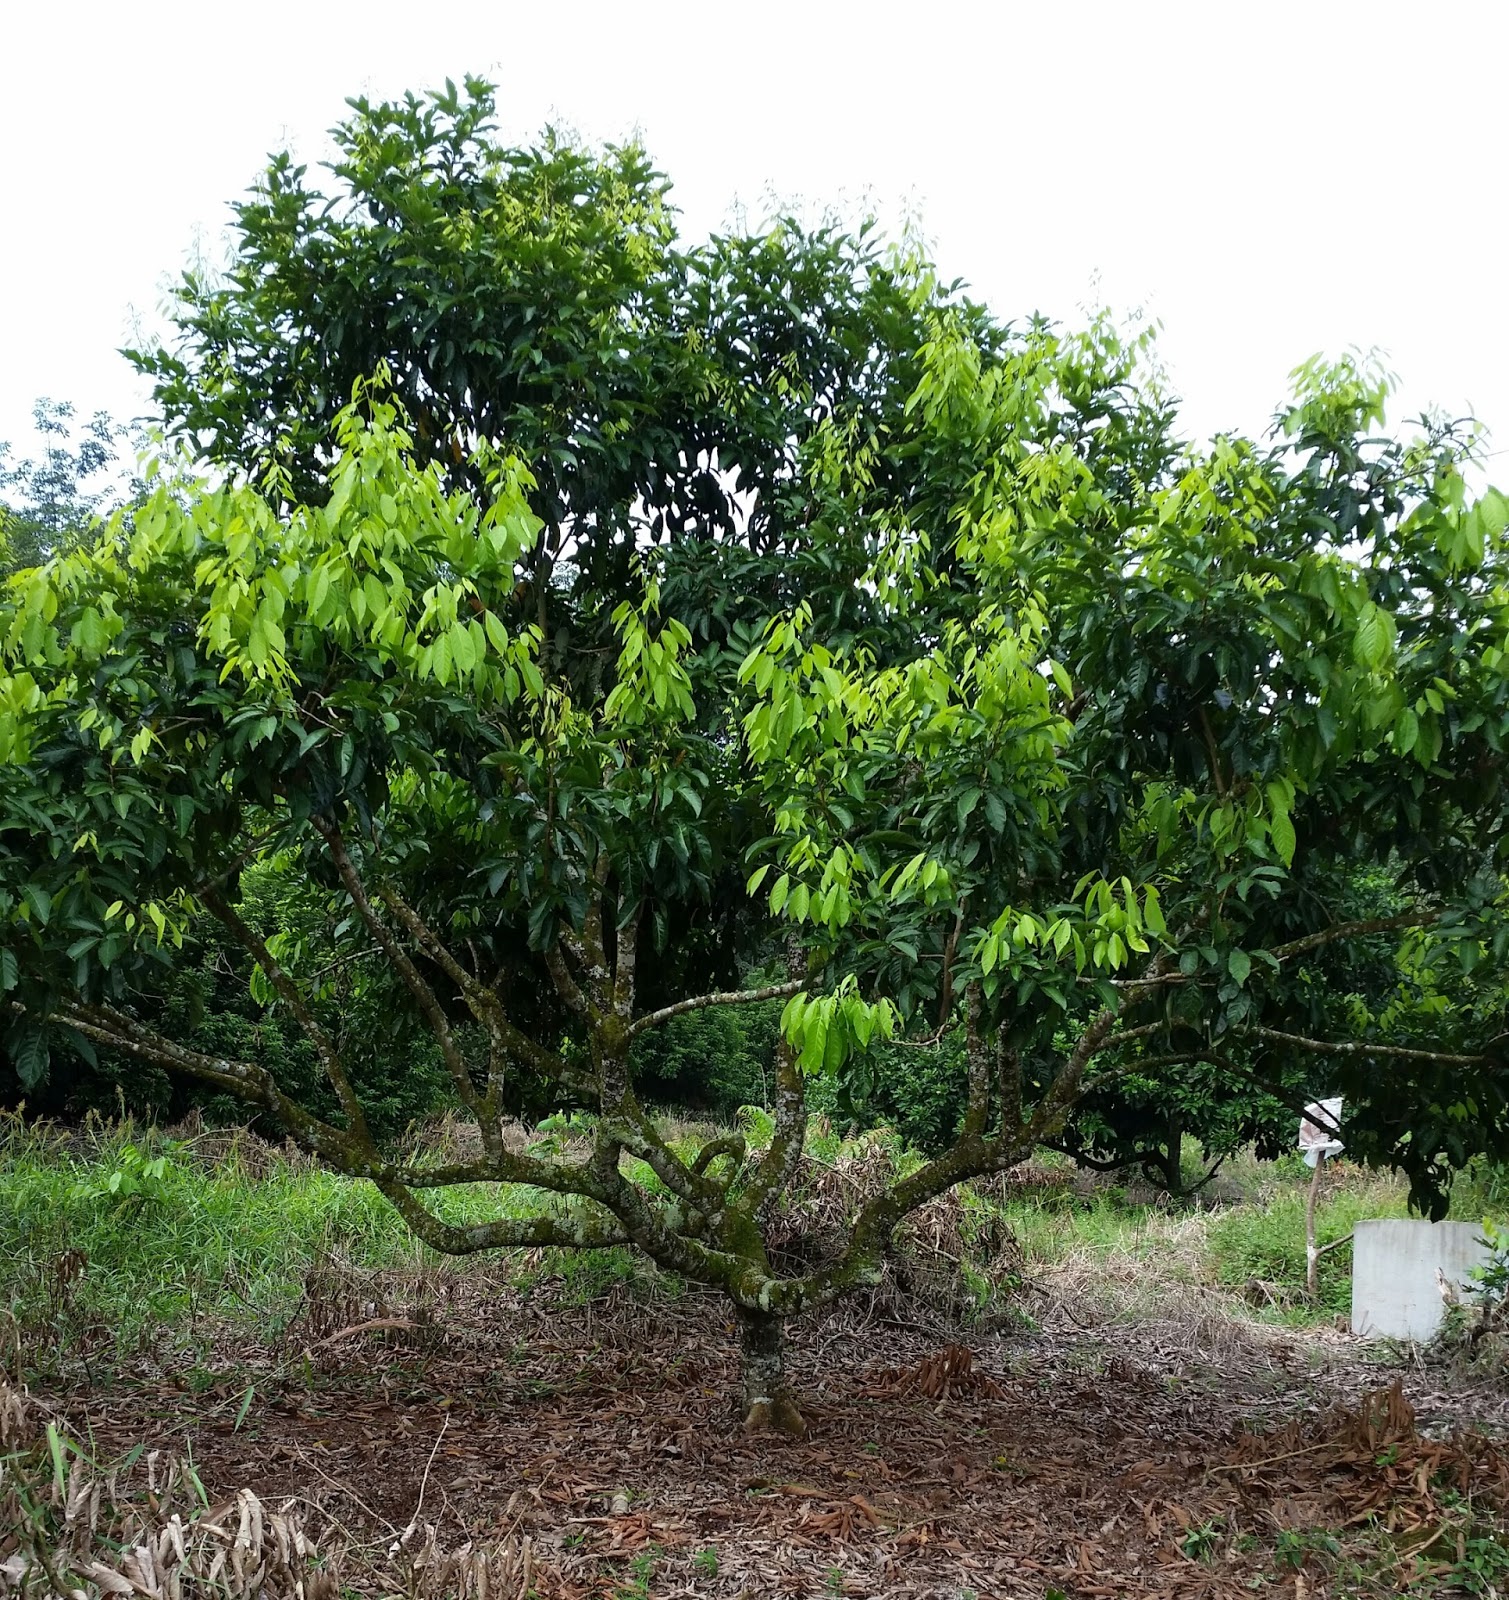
(603,1438)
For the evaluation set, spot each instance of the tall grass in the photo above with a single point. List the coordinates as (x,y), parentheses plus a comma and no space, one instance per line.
(227,1232)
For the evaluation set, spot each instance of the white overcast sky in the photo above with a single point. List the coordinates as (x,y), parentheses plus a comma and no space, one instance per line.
(1268,179)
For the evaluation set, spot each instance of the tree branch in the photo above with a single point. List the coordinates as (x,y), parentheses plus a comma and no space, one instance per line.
(726,1144)
(1112,1041)
(485,1005)
(340,1147)
(565,985)
(977,1055)
(1366,1047)
(585,1233)
(1212,755)
(775,1167)
(626,960)
(1008,1084)
(730,997)
(289,992)
(1350,930)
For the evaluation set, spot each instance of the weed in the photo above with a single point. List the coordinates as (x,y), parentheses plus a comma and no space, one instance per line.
(1294,1546)
(705,1562)
(1199,1543)
(137,1179)
(1483,1566)
(641,1570)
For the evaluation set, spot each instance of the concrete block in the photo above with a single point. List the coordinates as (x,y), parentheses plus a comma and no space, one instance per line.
(1395,1291)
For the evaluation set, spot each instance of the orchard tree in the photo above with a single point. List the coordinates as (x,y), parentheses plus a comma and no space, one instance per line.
(1282,792)
(974,832)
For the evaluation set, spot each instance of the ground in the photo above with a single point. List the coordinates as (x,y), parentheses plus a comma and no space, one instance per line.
(1135,1410)
(603,1436)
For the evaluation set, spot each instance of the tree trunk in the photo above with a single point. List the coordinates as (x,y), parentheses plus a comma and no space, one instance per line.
(762,1355)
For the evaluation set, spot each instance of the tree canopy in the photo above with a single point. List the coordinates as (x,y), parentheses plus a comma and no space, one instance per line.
(219,681)
(538,299)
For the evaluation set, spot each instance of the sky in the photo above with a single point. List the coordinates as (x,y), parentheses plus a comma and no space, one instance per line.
(1267,180)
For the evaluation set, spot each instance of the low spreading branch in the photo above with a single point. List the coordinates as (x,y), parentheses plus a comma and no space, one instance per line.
(730,997)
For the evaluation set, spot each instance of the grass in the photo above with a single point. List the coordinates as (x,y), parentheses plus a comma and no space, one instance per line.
(228,1230)
(1254,1239)
(1267,1243)
(228,1237)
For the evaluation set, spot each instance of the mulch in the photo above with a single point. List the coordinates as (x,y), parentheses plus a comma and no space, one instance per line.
(1088,1462)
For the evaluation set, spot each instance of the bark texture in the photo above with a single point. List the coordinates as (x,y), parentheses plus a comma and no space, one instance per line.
(767,1399)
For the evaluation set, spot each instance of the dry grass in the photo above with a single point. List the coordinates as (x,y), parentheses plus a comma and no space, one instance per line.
(68,1528)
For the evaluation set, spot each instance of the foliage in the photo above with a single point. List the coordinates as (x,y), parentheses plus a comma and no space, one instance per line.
(711,1061)
(137,1179)
(1491,1280)
(537,299)
(339,673)
(1237,730)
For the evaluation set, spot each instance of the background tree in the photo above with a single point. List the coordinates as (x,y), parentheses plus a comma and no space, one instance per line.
(539,300)
(50,502)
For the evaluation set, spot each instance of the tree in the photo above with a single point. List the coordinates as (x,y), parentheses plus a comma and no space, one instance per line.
(1261,702)
(697,400)
(51,501)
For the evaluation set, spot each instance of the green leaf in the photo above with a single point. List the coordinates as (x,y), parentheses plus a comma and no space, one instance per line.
(497,634)
(1373,643)
(1281,831)
(1493,513)
(30,1055)
(1239,965)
